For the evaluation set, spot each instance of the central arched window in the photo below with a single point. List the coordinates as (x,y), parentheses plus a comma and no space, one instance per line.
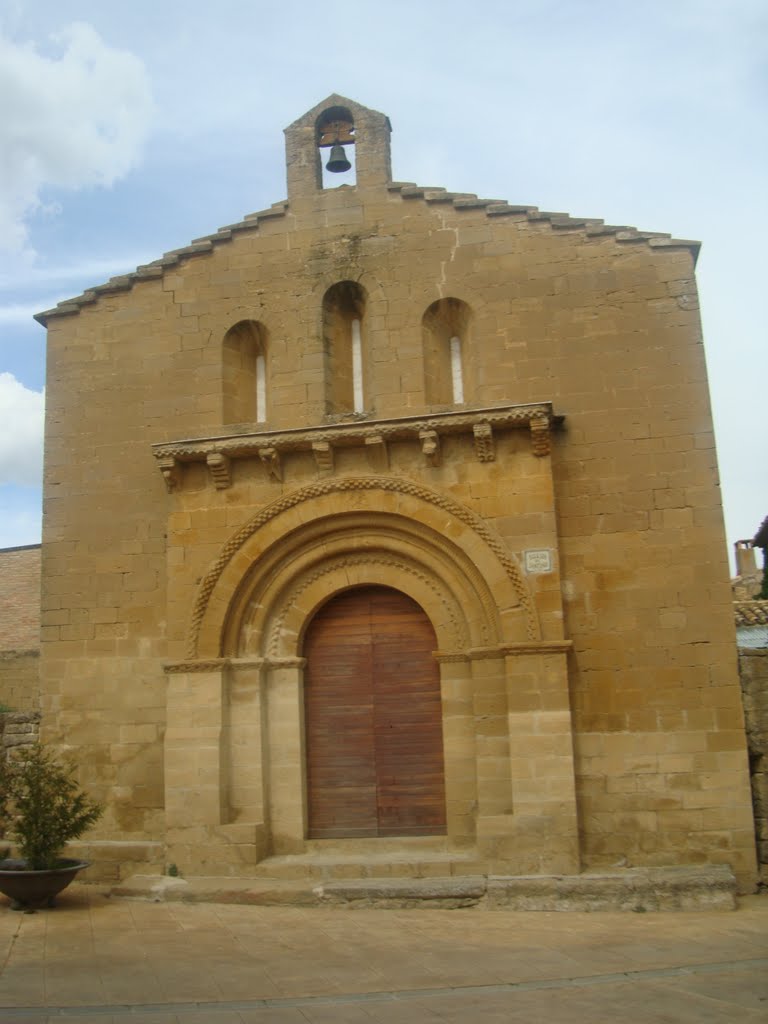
(445,339)
(244,373)
(343,348)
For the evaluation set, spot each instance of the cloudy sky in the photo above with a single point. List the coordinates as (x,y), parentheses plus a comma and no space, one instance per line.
(127,130)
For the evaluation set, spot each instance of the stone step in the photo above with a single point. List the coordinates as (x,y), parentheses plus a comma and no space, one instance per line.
(314,866)
(633,889)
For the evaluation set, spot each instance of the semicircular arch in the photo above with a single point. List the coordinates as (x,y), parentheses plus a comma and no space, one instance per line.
(432,533)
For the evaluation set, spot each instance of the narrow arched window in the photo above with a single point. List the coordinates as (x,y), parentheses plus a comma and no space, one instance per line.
(445,340)
(244,373)
(457,372)
(343,348)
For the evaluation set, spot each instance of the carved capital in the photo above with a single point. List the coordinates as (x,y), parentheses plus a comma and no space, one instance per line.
(195,665)
(430,445)
(169,467)
(218,465)
(377,452)
(271,459)
(323,452)
(540,435)
(485,448)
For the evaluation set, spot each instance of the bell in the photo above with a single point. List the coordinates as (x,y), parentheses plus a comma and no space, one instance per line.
(338,162)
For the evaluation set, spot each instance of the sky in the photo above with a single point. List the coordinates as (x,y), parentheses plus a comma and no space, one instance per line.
(126,130)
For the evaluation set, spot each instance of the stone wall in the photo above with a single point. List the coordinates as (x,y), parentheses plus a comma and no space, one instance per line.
(753,666)
(19,680)
(18,729)
(589,566)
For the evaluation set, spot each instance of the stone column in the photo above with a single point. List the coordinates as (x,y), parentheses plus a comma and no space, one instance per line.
(459,749)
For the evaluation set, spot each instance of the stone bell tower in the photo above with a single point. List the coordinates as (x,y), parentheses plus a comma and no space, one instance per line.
(337,121)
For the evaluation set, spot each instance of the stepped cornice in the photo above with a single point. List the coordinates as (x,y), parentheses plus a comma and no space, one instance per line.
(408,191)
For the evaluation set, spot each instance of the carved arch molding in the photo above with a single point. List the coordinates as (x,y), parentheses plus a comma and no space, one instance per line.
(295,552)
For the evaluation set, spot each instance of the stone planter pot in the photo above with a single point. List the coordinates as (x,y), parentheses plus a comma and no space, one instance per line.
(29,890)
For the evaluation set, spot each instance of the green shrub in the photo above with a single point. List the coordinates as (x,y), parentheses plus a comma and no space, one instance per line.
(42,806)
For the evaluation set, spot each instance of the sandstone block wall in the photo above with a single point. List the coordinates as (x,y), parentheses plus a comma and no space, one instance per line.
(19,680)
(599,323)
(20,627)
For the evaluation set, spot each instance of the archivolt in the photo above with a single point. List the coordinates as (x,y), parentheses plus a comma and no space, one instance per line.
(359,483)
(458,626)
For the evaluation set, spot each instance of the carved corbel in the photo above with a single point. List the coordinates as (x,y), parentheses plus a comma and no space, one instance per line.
(485,448)
(218,465)
(169,467)
(540,435)
(271,459)
(323,453)
(377,452)
(430,446)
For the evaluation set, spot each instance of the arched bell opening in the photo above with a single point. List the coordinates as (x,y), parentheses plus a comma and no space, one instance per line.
(335,133)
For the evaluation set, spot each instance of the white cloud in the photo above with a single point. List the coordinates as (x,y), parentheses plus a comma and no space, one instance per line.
(69,121)
(21,442)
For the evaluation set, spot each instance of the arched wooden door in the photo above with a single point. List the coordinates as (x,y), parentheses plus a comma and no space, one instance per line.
(373,718)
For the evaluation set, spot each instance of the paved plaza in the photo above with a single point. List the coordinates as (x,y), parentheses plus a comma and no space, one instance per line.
(107,961)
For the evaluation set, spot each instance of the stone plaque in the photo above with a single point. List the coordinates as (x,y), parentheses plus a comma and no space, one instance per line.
(538,561)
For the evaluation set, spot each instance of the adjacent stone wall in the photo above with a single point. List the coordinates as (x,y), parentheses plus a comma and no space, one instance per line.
(753,669)
(18,729)
(19,680)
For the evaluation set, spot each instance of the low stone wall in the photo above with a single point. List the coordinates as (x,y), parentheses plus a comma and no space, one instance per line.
(18,729)
(753,670)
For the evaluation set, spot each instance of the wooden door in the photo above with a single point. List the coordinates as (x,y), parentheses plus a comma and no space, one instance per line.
(373,718)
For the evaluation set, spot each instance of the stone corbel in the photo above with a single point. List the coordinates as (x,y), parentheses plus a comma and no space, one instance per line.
(323,452)
(377,452)
(218,465)
(540,436)
(271,459)
(485,448)
(430,446)
(169,467)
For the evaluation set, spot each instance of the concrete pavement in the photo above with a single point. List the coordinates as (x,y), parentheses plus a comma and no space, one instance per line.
(102,960)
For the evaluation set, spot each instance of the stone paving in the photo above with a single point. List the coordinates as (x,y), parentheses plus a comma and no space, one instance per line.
(106,961)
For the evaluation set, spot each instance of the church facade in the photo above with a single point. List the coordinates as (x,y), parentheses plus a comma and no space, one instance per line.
(389,518)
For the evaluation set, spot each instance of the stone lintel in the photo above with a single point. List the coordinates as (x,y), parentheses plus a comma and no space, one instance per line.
(374,435)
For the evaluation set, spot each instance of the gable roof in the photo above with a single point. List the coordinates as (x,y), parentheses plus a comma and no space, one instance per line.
(589,227)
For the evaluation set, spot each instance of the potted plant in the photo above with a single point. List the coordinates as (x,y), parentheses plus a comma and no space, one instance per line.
(41,808)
